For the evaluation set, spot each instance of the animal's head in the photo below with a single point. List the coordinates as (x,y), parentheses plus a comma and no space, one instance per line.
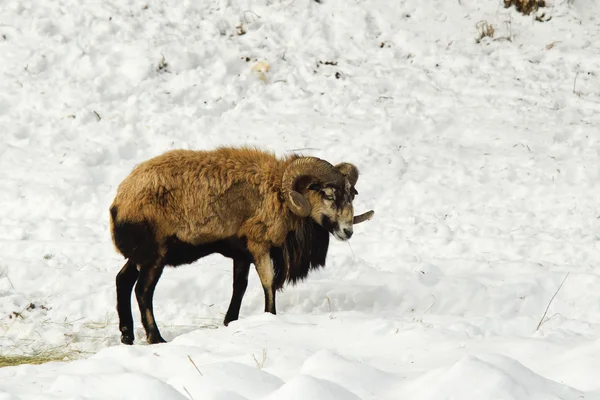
(313,187)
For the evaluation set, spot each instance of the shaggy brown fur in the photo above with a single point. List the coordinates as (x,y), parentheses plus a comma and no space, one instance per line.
(243,203)
(202,196)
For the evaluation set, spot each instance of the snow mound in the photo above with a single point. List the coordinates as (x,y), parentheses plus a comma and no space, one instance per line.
(304,387)
(361,379)
(124,385)
(228,379)
(490,376)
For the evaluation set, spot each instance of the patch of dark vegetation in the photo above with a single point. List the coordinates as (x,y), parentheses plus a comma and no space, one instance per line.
(484,30)
(33,306)
(163,66)
(526,7)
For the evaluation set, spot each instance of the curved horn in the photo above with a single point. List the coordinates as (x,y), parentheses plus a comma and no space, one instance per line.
(363,217)
(301,167)
(350,171)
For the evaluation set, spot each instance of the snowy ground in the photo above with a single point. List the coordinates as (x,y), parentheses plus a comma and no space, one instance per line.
(481,160)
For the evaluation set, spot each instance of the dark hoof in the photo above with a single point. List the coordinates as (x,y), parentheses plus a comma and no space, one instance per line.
(127,339)
(228,320)
(156,339)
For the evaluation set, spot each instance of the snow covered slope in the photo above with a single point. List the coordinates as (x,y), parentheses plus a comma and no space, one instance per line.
(481,160)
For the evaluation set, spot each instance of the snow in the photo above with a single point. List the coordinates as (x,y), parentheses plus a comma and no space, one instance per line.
(481,161)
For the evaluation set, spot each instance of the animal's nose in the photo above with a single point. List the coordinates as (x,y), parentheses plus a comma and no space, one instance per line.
(348,233)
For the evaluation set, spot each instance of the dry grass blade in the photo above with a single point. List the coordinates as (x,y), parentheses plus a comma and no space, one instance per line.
(550,302)
(4,274)
(485,30)
(260,364)
(575,83)
(352,251)
(188,392)
(195,366)
(304,148)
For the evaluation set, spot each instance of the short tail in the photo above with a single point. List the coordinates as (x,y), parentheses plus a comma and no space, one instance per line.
(136,241)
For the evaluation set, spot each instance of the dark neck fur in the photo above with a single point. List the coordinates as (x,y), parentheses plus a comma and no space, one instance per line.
(304,249)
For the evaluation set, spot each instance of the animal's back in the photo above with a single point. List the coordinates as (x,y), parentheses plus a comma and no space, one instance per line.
(187,170)
(175,193)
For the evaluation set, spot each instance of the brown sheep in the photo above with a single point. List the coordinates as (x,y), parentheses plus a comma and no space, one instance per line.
(242,203)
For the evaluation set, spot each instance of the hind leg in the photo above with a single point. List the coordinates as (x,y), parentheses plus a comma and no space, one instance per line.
(241,269)
(144,291)
(125,280)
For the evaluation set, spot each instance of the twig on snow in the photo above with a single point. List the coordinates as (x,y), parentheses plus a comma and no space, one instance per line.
(550,302)
(433,304)
(575,83)
(524,145)
(250,11)
(554,315)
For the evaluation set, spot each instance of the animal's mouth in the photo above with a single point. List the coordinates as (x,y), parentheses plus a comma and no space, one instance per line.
(346,234)
(343,231)
(335,229)
(342,235)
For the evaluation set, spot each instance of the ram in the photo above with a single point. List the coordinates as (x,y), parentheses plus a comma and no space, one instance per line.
(243,203)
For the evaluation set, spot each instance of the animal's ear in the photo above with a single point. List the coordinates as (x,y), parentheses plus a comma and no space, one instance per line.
(299,205)
(348,170)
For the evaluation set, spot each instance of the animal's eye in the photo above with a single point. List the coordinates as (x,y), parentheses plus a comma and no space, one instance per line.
(328,196)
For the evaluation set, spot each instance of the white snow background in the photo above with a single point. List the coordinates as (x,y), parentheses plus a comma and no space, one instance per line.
(481,161)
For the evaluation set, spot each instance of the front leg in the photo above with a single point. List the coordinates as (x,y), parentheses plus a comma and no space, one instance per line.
(266,273)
